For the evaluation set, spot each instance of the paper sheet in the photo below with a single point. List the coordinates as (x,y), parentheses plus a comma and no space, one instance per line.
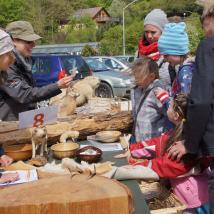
(24,176)
(106,146)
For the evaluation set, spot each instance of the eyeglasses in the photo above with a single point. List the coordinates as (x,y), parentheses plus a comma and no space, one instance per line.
(29,42)
(26,42)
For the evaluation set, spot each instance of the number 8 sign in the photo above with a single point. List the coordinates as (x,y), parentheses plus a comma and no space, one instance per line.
(37,117)
(38,120)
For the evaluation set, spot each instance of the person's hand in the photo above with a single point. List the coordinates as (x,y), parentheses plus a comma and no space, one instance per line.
(5,160)
(127,154)
(9,177)
(177,151)
(65,82)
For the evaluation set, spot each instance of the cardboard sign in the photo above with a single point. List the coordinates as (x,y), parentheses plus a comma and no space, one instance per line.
(37,117)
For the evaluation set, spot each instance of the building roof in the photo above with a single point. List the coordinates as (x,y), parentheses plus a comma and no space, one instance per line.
(92,12)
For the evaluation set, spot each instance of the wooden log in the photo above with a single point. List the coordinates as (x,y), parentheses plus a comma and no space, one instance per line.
(63,194)
(85,124)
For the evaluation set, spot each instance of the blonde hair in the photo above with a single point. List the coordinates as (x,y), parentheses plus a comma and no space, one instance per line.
(208,6)
(145,66)
(180,107)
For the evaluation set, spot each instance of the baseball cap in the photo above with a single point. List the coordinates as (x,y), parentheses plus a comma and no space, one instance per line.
(22,30)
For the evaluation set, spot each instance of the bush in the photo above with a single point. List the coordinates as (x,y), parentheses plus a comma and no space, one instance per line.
(111,44)
(88,51)
(194,30)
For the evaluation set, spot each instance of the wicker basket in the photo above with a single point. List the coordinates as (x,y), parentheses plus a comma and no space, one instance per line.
(177,208)
(150,189)
(160,200)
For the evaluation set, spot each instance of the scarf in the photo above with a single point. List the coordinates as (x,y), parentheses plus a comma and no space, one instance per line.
(24,65)
(25,62)
(148,50)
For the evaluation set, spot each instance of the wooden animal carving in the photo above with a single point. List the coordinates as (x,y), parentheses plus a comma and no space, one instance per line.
(69,135)
(86,89)
(39,139)
(66,102)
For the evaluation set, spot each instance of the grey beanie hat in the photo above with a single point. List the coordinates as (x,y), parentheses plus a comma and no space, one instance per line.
(6,43)
(156,17)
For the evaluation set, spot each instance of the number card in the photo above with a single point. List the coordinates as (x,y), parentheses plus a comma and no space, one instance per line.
(37,117)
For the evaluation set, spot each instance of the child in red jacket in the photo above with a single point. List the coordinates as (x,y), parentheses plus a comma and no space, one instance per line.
(192,190)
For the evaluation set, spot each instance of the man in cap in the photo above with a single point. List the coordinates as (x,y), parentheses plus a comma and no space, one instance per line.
(18,93)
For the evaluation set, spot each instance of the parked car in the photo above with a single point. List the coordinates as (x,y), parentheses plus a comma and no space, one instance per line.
(49,68)
(126,58)
(113,63)
(113,83)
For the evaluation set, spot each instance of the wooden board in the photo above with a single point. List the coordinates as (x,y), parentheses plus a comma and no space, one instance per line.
(86,125)
(65,195)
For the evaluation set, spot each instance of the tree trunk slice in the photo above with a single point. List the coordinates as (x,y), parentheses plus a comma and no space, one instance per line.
(64,195)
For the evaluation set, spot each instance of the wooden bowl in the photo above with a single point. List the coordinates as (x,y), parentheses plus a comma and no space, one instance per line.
(108,136)
(19,152)
(64,150)
(84,154)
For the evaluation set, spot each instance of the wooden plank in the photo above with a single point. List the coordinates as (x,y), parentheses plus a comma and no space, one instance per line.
(85,124)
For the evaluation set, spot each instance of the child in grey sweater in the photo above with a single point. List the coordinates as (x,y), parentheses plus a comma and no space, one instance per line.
(149,118)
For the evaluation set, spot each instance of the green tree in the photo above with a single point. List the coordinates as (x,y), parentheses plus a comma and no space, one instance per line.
(78,4)
(111,44)
(11,10)
(113,9)
(98,3)
(33,8)
(133,32)
(46,15)
(81,30)
(194,30)
(102,29)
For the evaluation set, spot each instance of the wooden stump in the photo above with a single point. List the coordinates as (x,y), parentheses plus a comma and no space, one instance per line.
(64,195)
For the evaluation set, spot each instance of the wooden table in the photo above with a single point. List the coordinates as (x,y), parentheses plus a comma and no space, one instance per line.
(139,200)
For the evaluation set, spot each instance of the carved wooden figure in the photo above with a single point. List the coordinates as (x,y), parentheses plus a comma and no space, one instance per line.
(39,139)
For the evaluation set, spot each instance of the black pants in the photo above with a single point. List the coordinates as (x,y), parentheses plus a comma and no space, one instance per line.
(211,188)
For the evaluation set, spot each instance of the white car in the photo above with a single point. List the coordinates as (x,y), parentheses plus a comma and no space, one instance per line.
(113,63)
